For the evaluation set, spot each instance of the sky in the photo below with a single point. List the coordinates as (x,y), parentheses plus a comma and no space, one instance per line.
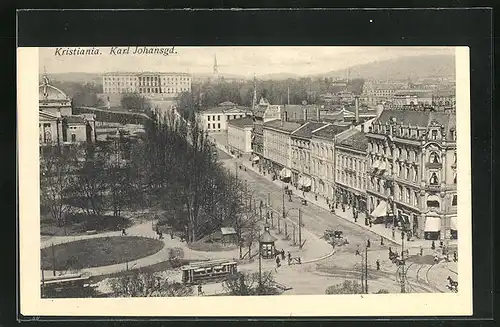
(244,61)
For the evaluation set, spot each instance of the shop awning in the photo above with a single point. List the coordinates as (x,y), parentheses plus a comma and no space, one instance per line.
(432,224)
(454,223)
(300,182)
(256,158)
(380,210)
(404,218)
(376,164)
(307,182)
(286,173)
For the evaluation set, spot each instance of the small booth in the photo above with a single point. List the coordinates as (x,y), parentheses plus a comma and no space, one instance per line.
(380,213)
(285,175)
(228,235)
(266,244)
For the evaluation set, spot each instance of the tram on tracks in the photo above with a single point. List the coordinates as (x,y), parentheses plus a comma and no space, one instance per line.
(208,271)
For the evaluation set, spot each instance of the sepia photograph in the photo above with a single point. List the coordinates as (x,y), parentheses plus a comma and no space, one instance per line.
(257,172)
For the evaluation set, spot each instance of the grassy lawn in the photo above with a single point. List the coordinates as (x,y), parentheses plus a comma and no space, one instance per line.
(79,224)
(211,247)
(96,252)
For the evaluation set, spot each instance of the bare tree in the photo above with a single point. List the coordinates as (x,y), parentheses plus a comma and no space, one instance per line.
(56,177)
(347,287)
(147,284)
(242,284)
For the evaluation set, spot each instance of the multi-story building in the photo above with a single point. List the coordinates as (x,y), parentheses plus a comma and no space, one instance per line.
(262,112)
(412,171)
(413,97)
(239,135)
(350,168)
(382,90)
(302,113)
(215,120)
(277,146)
(146,83)
(444,99)
(323,160)
(301,154)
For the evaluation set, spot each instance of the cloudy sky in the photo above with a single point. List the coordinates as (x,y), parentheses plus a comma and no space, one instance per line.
(245,61)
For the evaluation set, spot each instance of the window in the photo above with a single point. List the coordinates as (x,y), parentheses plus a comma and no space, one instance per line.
(433,158)
(454,200)
(415,199)
(454,177)
(407,196)
(208,118)
(433,202)
(434,134)
(73,137)
(213,126)
(415,175)
(407,173)
(218,126)
(455,158)
(218,117)
(434,180)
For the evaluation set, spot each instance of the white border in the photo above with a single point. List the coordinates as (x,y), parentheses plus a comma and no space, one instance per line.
(302,305)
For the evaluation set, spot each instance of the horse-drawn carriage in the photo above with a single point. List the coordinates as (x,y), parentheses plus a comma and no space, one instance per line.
(335,237)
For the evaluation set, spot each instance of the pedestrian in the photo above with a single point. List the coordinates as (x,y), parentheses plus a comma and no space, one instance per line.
(381,240)
(393,232)
(390,251)
(200,290)
(436,258)
(315,197)
(441,244)
(343,207)
(370,223)
(378,264)
(160,235)
(368,244)
(355,218)
(455,256)
(289,258)
(433,245)
(421,250)
(277,263)
(124,233)
(357,251)
(282,254)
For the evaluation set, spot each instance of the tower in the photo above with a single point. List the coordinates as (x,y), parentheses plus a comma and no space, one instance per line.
(216,67)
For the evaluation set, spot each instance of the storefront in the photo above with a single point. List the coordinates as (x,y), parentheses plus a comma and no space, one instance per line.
(432,228)
(304,183)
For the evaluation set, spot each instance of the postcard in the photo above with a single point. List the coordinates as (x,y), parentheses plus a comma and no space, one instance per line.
(244,181)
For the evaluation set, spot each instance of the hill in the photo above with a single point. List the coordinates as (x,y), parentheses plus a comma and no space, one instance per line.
(76,77)
(401,68)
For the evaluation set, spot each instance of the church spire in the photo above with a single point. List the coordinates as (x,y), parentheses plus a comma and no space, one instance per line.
(216,66)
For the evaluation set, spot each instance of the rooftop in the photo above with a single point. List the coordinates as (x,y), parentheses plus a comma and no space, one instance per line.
(224,109)
(241,122)
(143,73)
(419,118)
(305,131)
(283,126)
(330,131)
(357,140)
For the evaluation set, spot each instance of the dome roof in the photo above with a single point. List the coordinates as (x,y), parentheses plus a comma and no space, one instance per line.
(51,93)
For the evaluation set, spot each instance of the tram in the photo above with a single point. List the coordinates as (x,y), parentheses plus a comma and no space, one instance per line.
(208,271)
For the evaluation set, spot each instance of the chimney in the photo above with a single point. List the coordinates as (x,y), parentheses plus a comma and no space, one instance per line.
(356,103)
(318,113)
(286,116)
(305,113)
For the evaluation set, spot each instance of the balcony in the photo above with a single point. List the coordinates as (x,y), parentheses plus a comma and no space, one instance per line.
(434,165)
(433,188)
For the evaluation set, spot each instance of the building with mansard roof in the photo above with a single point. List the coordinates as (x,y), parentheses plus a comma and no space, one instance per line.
(412,169)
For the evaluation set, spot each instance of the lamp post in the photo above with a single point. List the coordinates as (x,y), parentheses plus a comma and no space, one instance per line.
(403,272)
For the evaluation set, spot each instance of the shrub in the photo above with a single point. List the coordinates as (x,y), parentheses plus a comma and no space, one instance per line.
(347,287)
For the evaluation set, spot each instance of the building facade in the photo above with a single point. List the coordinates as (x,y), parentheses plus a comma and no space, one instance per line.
(146,83)
(412,171)
(323,160)
(301,154)
(215,120)
(277,145)
(239,135)
(263,112)
(350,168)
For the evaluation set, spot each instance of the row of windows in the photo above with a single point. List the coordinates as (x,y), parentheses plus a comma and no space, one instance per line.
(353,180)
(351,163)
(228,117)
(145,78)
(325,151)
(144,90)
(213,126)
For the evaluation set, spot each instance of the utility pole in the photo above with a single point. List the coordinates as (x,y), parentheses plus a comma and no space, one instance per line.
(366,269)
(362,274)
(260,265)
(260,210)
(300,228)
(282,207)
(403,277)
